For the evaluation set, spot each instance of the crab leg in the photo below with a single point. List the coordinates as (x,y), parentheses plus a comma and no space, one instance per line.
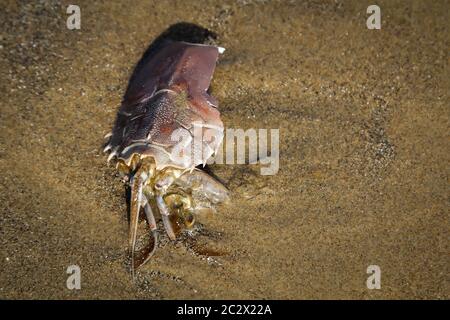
(165,216)
(149,214)
(152,224)
(135,206)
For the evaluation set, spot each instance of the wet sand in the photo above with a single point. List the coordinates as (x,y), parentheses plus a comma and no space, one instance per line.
(363,180)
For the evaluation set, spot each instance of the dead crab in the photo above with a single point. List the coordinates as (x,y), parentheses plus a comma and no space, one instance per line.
(165,107)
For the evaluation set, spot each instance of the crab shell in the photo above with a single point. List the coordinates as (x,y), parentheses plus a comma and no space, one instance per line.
(166,103)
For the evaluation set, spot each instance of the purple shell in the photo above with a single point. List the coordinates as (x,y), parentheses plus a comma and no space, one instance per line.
(169,94)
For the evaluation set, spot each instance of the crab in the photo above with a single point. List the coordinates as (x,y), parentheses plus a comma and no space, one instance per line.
(168,125)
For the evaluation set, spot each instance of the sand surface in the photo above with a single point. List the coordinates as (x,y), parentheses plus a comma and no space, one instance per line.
(364,152)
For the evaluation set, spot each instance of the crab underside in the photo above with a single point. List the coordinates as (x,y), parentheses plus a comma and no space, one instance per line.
(178,194)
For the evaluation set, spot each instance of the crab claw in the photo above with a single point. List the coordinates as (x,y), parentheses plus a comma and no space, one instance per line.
(202,183)
(144,255)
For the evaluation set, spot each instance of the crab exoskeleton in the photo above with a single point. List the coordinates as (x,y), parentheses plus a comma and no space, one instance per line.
(155,140)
